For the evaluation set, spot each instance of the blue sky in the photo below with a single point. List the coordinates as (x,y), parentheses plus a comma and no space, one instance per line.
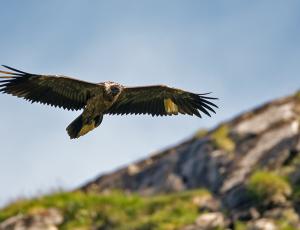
(245,52)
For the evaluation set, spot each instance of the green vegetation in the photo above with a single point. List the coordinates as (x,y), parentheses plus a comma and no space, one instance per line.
(201,133)
(239,225)
(283,224)
(268,186)
(297,95)
(221,138)
(93,211)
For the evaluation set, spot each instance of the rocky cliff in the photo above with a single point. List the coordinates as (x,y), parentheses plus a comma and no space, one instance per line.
(250,166)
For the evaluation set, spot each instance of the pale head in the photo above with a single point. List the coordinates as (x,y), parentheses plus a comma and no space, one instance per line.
(112,88)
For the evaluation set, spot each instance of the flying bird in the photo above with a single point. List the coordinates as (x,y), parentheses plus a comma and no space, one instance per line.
(96,100)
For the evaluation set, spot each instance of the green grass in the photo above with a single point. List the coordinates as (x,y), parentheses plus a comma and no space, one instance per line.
(283,224)
(297,95)
(239,225)
(201,133)
(221,138)
(265,186)
(115,210)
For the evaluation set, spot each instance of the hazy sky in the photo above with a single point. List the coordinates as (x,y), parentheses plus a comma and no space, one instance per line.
(245,52)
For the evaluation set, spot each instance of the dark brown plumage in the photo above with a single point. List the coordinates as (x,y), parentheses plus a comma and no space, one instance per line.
(103,98)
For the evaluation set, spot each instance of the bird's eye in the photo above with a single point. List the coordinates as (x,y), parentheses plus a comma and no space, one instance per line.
(114,89)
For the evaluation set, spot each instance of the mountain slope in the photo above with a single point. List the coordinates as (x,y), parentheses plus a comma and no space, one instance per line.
(263,143)
(221,159)
(250,166)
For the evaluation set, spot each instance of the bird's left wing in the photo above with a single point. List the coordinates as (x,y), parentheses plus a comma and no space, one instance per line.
(160,100)
(52,90)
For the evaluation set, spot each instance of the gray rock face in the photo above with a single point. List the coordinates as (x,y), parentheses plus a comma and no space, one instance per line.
(263,138)
(266,138)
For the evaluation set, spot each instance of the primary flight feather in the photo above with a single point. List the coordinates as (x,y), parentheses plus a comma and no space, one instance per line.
(96,100)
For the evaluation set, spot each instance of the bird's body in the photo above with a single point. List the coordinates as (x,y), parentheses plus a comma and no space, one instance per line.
(96,100)
(93,112)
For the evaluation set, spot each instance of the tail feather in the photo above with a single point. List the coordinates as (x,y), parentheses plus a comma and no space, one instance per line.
(79,127)
(74,128)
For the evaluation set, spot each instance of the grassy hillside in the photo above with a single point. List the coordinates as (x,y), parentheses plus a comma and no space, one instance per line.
(251,164)
(114,210)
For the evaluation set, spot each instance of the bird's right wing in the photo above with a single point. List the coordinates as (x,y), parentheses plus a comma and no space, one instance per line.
(60,91)
(160,100)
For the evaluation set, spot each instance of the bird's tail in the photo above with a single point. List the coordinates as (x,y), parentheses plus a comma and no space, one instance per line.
(80,127)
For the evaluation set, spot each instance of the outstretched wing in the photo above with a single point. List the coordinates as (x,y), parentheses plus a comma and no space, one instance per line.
(52,90)
(161,100)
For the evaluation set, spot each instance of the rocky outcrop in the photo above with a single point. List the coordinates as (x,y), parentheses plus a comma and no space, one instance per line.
(213,220)
(223,160)
(42,220)
(265,138)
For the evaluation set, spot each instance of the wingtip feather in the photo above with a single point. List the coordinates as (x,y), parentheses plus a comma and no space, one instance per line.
(13,69)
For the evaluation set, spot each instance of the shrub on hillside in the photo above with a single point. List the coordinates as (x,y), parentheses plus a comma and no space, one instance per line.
(268,187)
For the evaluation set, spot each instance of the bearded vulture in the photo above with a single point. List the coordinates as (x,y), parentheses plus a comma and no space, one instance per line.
(99,99)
